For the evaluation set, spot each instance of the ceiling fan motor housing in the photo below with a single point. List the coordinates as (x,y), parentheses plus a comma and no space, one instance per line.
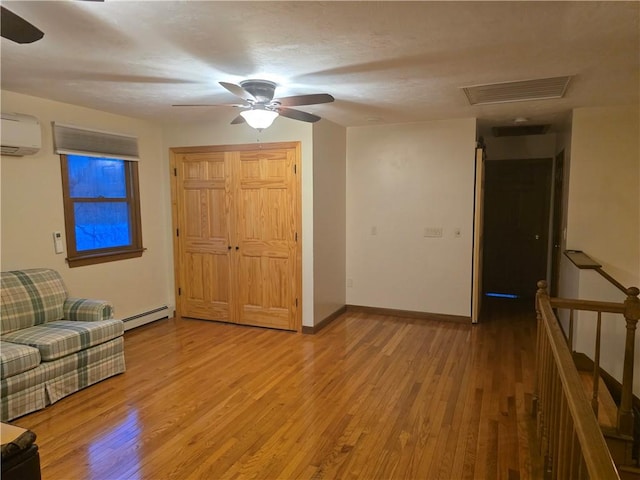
(262,90)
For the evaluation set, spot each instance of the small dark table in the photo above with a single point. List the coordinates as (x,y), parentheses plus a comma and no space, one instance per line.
(20,457)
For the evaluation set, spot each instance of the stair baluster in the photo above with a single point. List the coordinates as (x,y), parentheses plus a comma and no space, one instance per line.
(596,366)
(631,315)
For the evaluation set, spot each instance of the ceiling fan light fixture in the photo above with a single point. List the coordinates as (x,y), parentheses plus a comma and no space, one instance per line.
(259,118)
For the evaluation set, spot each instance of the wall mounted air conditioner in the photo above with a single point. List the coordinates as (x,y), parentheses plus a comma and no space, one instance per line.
(20,134)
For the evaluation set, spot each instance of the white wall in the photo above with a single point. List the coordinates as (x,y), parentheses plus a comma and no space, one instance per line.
(603,217)
(31,210)
(329,217)
(603,220)
(401,179)
(282,130)
(568,282)
(563,143)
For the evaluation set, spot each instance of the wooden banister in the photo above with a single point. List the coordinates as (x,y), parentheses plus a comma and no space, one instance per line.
(569,434)
(587,305)
(585,262)
(612,280)
(631,315)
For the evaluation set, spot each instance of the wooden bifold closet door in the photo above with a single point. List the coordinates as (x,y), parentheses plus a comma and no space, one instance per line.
(237,248)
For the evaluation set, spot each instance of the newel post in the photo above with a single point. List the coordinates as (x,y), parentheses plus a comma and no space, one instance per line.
(631,315)
(542,290)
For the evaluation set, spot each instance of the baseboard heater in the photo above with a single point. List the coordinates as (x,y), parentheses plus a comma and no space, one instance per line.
(146,317)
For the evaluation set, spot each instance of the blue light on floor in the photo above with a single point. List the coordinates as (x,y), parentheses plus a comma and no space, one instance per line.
(500,295)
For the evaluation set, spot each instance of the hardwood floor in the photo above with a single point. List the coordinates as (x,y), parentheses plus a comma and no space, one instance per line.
(368,397)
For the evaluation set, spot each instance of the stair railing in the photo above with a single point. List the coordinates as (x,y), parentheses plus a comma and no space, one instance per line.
(630,309)
(568,433)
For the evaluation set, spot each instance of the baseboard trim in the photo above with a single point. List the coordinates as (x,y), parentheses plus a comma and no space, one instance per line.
(409,314)
(324,322)
(146,317)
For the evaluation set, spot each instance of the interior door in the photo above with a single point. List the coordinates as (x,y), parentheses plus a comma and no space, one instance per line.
(516,226)
(266,238)
(204,232)
(478,227)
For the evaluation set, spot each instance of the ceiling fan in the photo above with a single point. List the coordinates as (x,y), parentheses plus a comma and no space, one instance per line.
(15,28)
(260,106)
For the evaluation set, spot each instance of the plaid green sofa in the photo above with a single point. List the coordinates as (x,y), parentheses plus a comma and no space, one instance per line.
(52,345)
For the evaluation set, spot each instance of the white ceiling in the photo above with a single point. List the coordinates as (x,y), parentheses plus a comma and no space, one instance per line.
(384,62)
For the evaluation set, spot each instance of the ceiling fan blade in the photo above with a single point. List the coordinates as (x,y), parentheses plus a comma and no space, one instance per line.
(298,115)
(17,29)
(312,99)
(237,105)
(238,91)
(239,119)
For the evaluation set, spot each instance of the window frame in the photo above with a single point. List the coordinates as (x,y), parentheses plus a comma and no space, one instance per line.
(108,254)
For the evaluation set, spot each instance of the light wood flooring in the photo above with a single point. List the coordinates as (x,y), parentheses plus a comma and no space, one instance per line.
(368,397)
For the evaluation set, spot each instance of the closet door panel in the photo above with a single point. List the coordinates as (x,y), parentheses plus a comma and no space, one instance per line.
(204,231)
(265,236)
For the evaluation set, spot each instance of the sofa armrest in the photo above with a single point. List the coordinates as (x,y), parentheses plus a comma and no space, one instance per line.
(87,310)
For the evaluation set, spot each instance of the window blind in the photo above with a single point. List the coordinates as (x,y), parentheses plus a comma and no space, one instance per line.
(68,139)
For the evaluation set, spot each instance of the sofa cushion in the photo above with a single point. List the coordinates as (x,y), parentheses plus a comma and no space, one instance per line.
(30,297)
(15,359)
(63,337)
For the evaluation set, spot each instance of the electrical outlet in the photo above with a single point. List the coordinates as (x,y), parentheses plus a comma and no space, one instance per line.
(349,282)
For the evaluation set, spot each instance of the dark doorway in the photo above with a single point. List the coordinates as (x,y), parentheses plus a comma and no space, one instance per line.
(516,226)
(556,230)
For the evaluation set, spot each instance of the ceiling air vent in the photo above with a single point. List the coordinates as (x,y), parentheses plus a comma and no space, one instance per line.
(536,89)
(519,130)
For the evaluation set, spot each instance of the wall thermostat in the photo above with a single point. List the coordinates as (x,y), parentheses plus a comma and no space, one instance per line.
(57,242)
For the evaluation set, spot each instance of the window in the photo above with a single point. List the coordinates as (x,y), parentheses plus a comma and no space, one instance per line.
(101,195)
(101,209)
